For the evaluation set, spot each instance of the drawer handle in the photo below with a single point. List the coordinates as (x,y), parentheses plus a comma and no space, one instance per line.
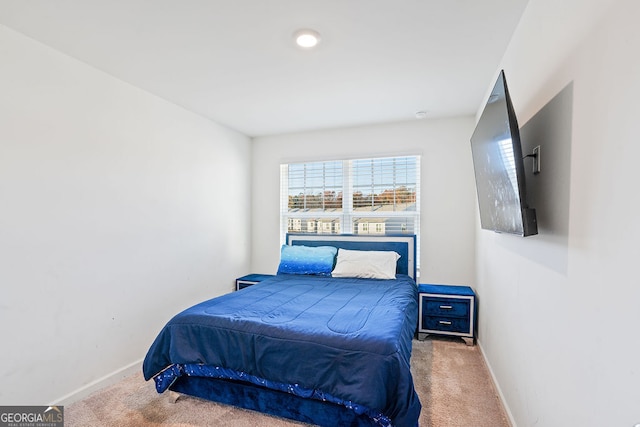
(445,307)
(444,322)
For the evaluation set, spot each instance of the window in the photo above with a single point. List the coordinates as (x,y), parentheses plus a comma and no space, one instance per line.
(362,196)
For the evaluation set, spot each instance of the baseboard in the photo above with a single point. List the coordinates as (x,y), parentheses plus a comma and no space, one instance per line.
(511,420)
(98,384)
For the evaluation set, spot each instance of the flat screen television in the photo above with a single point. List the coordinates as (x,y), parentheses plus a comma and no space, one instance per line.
(499,167)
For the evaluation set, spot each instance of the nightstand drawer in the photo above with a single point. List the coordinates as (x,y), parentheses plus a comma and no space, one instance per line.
(446,324)
(445,307)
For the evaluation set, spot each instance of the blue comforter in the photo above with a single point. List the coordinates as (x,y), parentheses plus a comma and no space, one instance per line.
(349,338)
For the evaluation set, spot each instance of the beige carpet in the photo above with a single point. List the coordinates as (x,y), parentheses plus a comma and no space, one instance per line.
(451,379)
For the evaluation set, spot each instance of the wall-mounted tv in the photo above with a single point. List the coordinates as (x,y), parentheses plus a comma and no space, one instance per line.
(499,167)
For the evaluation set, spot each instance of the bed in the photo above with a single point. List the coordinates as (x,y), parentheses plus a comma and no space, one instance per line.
(305,345)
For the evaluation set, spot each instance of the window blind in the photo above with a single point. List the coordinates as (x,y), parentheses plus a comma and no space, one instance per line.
(358,196)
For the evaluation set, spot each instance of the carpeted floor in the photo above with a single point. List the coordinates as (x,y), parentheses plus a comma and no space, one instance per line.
(454,386)
(453,383)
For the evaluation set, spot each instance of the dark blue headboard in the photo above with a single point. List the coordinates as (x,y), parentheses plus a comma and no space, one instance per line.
(403,244)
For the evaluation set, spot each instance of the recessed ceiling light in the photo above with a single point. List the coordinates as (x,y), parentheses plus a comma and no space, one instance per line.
(421,114)
(306,39)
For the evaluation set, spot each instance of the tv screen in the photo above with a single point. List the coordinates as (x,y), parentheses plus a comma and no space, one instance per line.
(499,167)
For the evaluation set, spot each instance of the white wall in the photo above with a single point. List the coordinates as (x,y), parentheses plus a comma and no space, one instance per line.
(447,187)
(562,343)
(110,220)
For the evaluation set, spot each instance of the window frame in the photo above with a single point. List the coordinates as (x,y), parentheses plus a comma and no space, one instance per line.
(347,215)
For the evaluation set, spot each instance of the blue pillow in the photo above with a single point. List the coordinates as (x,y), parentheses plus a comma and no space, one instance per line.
(317,260)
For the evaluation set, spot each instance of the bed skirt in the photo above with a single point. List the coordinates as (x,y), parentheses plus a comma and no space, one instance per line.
(273,402)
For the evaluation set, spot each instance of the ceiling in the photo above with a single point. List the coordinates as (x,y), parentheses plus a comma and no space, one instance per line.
(234,61)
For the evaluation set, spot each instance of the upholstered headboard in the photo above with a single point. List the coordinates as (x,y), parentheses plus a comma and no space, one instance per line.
(404,245)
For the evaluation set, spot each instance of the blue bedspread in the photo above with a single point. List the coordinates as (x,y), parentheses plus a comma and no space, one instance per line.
(348,338)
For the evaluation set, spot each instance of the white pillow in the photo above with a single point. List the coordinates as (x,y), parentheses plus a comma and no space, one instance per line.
(366,264)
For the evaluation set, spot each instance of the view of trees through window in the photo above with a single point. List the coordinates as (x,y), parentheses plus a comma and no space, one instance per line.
(333,199)
(390,197)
